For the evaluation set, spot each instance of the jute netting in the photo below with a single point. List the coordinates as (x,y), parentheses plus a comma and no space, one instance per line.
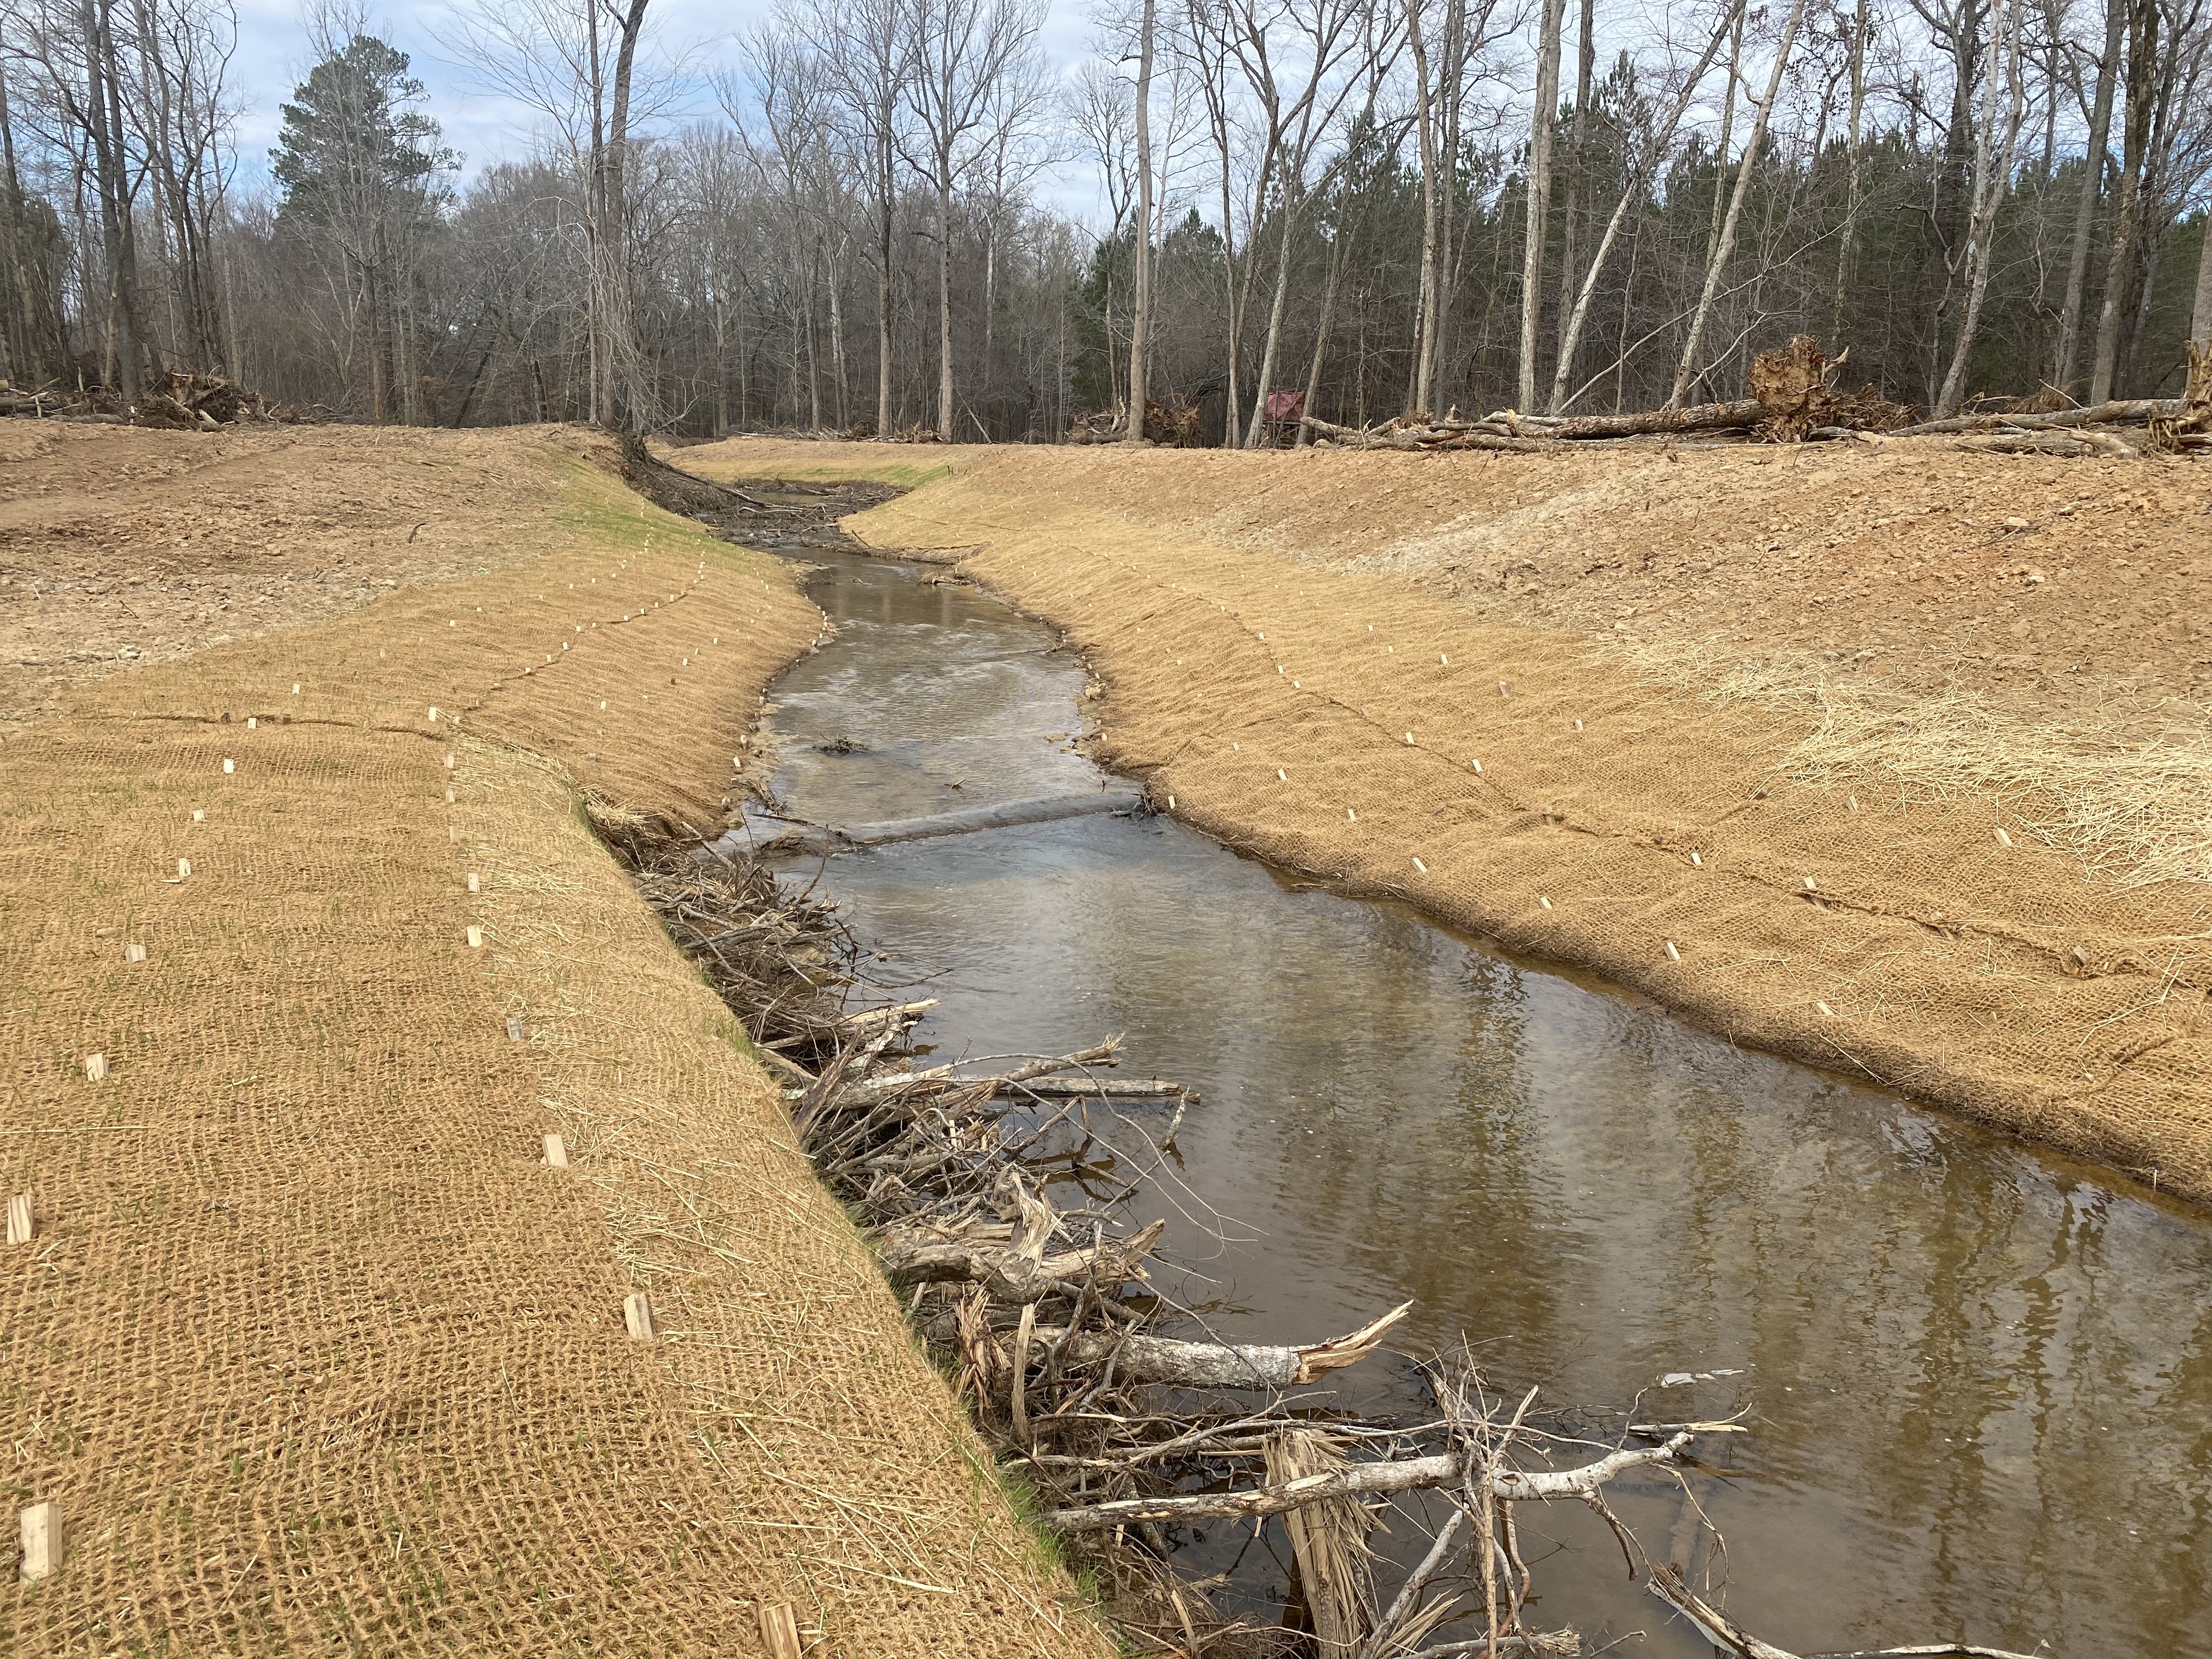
(1509,780)
(312,1351)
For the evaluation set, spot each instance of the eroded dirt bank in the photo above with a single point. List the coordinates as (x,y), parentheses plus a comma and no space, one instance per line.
(310,1347)
(1754,732)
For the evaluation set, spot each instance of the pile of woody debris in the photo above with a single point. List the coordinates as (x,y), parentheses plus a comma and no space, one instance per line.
(1793,400)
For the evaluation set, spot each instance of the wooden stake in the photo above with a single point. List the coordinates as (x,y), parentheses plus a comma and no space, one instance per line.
(476,883)
(779,1628)
(134,953)
(41,1527)
(1673,955)
(22,1221)
(184,868)
(252,723)
(514,1027)
(476,937)
(229,766)
(556,1157)
(637,1315)
(199,815)
(95,1067)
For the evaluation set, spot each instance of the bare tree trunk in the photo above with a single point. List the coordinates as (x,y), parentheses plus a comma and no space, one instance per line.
(1336,257)
(124,345)
(630,410)
(1577,158)
(1140,322)
(1993,162)
(1274,331)
(2200,315)
(883,288)
(944,303)
(1849,240)
(1639,177)
(1727,243)
(1424,321)
(2127,211)
(1540,191)
(2085,206)
(1742,12)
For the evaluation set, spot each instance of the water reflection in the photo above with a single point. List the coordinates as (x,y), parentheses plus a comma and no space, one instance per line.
(1979,1379)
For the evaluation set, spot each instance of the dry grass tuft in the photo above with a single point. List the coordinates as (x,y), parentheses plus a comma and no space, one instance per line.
(2128,792)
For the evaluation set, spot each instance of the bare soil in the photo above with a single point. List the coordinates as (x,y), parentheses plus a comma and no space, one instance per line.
(121,546)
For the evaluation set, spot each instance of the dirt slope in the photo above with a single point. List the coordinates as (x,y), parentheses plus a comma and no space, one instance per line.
(313,1351)
(1879,830)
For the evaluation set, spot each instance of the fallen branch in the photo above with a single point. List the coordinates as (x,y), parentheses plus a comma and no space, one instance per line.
(1065,1088)
(1201,1365)
(1005,1273)
(1716,1628)
(1404,1474)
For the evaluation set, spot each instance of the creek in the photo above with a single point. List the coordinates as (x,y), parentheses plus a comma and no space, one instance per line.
(1977,1378)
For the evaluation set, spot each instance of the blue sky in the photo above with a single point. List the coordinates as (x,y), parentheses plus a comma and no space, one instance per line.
(273,57)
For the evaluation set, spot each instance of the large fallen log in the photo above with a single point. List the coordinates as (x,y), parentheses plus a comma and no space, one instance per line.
(1743,412)
(1403,1474)
(2133,411)
(1199,1364)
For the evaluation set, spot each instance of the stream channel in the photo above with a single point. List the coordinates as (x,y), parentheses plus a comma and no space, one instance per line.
(1978,1378)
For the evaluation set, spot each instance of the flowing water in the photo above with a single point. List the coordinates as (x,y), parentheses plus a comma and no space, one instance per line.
(1978,1379)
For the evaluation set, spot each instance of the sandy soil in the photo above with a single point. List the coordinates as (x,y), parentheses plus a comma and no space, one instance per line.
(1793,740)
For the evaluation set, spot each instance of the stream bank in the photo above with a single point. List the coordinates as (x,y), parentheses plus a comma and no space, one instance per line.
(1973,1370)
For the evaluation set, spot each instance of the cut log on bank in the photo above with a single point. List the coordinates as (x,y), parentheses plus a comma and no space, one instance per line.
(1794,400)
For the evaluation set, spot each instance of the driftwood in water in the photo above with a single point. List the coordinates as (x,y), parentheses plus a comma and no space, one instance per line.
(1008,1274)
(1200,1365)
(1728,1637)
(1056,1334)
(1130,1088)
(842,838)
(1396,1475)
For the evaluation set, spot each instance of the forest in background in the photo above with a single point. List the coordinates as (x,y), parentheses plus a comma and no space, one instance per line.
(1389,205)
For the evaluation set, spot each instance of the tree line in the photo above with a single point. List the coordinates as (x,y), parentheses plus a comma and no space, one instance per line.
(1388,206)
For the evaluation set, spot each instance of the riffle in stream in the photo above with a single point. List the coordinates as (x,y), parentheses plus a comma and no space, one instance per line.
(1980,1379)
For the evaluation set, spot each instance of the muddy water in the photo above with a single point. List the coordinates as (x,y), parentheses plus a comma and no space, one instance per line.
(1979,1381)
